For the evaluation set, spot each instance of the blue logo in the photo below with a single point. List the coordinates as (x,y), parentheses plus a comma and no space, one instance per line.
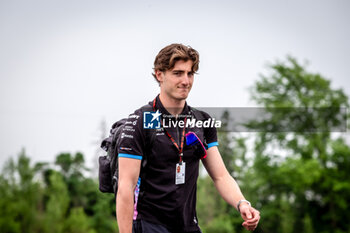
(151,120)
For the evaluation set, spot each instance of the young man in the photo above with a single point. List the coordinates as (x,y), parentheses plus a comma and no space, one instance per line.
(164,198)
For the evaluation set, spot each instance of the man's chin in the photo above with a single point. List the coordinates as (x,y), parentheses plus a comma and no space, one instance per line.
(183,96)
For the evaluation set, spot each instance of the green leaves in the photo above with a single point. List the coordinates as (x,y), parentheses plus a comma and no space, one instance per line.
(298,176)
(303,166)
(37,198)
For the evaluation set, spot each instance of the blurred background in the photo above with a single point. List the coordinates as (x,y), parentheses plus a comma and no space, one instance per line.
(70,69)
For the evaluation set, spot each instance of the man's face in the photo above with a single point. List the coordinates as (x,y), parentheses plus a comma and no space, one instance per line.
(177,82)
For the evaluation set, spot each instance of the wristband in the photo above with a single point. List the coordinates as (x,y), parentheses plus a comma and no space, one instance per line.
(239,203)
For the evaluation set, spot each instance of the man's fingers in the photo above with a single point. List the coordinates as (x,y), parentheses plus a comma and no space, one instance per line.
(255,219)
(246,213)
(252,221)
(251,217)
(255,214)
(249,227)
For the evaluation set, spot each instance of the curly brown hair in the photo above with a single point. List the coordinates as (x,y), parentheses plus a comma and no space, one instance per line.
(169,55)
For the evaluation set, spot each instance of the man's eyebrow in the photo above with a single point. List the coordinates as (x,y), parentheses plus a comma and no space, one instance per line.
(182,71)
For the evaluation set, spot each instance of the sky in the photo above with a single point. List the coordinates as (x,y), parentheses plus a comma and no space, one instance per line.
(68,66)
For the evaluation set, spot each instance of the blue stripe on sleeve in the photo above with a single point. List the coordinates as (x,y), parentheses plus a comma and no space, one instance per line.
(212,144)
(122,155)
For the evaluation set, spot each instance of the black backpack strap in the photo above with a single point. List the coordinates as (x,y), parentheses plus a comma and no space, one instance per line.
(150,135)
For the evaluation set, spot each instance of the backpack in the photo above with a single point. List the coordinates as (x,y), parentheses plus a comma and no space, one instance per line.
(108,164)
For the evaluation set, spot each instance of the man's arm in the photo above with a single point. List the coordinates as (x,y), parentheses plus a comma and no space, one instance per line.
(228,187)
(129,171)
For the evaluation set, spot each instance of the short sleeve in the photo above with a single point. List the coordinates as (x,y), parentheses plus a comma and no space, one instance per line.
(131,141)
(210,134)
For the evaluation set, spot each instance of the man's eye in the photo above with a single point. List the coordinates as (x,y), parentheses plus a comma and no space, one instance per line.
(177,73)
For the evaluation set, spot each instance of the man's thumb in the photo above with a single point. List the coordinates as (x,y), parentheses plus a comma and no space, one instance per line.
(248,214)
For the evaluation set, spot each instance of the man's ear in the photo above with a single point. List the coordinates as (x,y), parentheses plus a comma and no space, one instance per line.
(159,74)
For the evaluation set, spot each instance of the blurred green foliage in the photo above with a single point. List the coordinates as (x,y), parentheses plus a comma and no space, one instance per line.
(299,180)
(298,174)
(45,198)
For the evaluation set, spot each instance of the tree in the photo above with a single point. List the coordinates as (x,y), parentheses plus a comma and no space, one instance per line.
(299,167)
(37,198)
(21,195)
(72,168)
(78,222)
(103,219)
(57,205)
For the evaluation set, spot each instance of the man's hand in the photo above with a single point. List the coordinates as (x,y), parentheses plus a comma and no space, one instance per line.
(250,216)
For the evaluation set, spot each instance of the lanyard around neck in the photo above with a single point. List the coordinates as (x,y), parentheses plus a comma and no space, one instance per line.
(179,148)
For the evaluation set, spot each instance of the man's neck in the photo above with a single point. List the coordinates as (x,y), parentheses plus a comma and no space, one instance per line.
(173,106)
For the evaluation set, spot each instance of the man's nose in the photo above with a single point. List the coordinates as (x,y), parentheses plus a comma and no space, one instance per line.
(185,79)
